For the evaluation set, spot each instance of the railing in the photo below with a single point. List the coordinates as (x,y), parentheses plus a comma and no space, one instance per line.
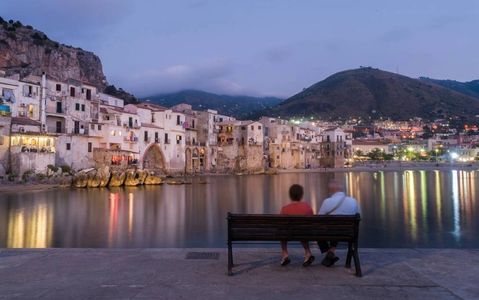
(56,130)
(55,110)
(81,131)
(131,139)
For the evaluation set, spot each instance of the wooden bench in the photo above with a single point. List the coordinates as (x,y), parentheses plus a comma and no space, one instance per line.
(242,228)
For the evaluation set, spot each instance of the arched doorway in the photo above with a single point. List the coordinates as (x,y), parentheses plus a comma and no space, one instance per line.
(196,161)
(153,158)
(189,164)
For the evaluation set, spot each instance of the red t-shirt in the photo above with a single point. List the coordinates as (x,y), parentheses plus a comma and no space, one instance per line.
(297,208)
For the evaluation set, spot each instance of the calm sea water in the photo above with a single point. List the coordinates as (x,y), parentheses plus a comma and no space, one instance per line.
(399,209)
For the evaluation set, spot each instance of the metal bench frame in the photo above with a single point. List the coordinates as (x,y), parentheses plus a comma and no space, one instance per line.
(248,227)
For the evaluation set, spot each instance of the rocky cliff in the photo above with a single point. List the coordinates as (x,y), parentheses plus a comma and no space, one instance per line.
(26,51)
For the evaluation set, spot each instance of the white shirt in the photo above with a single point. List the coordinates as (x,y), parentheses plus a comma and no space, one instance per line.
(348,207)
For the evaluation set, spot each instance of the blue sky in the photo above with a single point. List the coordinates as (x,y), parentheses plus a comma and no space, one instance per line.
(259,47)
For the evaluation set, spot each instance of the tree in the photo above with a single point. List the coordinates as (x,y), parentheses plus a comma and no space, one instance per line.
(376,154)
(358,153)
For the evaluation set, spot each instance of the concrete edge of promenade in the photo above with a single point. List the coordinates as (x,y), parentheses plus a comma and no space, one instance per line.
(76,273)
(8,187)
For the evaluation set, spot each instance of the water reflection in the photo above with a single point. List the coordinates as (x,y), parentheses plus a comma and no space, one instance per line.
(400,209)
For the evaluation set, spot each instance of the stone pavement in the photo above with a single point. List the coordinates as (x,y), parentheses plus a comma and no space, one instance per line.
(168,274)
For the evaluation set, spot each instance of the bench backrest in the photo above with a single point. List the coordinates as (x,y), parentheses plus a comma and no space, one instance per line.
(243,227)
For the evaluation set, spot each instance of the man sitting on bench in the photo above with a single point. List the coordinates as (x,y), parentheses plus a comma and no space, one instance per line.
(296,207)
(337,204)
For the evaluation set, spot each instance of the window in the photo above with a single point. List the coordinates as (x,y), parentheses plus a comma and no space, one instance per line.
(8,95)
(72,92)
(59,108)
(146,136)
(88,94)
(30,110)
(166,139)
(68,146)
(59,87)
(157,138)
(92,126)
(77,106)
(178,139)
(252,127)
(178,120)
(99,127)
(59,127)
(89,146)
(192,123)
(83,107)
(259,127)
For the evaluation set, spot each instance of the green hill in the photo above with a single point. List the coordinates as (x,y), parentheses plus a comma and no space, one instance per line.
(372,92)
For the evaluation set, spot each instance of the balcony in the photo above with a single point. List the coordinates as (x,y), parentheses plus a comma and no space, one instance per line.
(80,131)
(56,110)
(131,139)
(57,130)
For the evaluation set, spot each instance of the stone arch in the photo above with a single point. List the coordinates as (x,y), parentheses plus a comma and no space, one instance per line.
(153,158)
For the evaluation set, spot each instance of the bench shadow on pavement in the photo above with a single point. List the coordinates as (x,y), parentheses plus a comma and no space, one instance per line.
(271,260)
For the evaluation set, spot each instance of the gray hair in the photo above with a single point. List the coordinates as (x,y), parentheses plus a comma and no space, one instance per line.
(335,185)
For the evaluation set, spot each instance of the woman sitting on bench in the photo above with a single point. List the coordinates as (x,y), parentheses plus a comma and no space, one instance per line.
(296,207)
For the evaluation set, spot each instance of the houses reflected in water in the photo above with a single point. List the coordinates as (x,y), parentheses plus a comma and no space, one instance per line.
(399,209)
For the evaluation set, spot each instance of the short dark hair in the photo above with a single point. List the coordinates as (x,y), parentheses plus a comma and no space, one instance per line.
(296,192)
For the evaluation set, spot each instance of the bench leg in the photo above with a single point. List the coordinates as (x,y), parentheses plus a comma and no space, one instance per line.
(357,265)
(230,259)
(349,256)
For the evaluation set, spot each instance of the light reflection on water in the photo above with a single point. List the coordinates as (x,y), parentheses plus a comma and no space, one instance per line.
(399,209)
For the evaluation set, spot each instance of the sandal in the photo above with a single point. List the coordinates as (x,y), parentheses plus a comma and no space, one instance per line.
(309,261)
(285,261)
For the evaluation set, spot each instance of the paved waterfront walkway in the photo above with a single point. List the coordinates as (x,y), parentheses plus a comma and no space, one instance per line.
(167,274)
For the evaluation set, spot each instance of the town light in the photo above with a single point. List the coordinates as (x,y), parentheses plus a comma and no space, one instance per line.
(454,155)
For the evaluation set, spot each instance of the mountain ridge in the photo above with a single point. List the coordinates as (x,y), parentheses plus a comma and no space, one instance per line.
(470,88)
(368,92)
(240,106)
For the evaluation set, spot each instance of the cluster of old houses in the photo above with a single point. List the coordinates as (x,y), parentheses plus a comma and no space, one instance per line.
(47,122)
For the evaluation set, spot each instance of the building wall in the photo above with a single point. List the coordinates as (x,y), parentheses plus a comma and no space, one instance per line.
(79,155)
(366,148)
(4,142)
(30,161)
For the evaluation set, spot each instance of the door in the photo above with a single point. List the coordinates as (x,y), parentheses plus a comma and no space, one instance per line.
(77,127)
(59,107)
